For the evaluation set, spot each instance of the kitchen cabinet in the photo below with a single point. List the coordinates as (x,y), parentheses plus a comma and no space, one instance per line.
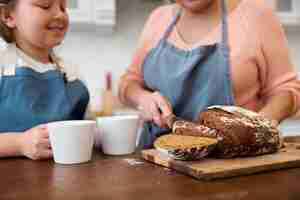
(287,10)
(92,14)
(105,12)
(80,11)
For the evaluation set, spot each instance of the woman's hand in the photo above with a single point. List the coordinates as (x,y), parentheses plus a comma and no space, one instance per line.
(35,143)
(155,107)
(278,107)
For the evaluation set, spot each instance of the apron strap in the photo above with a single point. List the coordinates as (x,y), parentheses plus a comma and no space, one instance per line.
(225,38)
(225,48)
(172,24)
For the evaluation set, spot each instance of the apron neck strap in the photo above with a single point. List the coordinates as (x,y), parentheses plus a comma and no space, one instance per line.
(172,24)
(224,24)
(225,35)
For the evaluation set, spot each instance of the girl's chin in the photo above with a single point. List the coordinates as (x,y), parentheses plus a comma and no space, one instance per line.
(49,45)
(54,42)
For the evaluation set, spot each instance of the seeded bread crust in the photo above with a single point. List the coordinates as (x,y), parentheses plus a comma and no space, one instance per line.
(239,132)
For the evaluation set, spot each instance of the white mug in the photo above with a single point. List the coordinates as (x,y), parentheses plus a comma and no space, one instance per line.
(118,134)
(72,141)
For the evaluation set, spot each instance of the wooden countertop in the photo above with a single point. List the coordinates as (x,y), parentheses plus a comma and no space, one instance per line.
(130,178)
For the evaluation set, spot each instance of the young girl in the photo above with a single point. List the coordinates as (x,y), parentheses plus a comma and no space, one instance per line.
(35,85)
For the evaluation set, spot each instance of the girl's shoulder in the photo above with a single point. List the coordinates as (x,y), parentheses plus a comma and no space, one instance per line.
(9,58)
(68,67)
(8,55)
(71,69)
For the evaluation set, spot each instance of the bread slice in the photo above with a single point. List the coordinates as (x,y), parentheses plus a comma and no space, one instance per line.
(181,147)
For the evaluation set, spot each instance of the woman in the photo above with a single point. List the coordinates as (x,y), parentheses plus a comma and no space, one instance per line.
(189,59)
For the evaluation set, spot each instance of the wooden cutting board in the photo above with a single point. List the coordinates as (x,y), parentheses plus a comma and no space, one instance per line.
(209,169)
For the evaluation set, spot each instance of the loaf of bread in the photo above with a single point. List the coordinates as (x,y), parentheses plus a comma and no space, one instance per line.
(239,132)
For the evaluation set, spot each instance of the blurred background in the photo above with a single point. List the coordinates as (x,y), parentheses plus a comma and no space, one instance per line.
(104,35)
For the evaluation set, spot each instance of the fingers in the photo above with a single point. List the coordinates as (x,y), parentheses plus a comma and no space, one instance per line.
(164,106)
(44,134)
(165,109)
(43,126)
(40,131)
(44,150)
(156,116)
(45,144)
(43,131)
(45,154)
(156,108)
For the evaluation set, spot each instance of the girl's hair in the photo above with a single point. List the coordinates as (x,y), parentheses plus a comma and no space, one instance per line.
(5,32)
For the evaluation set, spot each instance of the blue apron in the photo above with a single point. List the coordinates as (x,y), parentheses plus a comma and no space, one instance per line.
(29,98)
(190,80)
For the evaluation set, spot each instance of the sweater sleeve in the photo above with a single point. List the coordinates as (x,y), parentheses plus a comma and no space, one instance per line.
(278,74)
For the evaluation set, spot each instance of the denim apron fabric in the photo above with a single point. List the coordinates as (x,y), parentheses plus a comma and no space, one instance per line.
(29,98)
(190,80)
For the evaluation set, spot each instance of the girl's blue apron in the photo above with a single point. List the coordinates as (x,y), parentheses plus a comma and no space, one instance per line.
(190,80)
(29,98)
